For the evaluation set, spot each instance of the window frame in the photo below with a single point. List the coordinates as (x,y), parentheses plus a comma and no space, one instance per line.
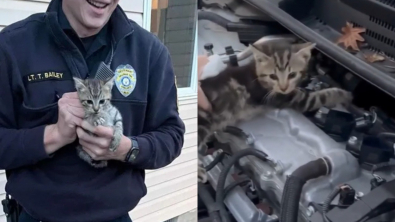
(184,91)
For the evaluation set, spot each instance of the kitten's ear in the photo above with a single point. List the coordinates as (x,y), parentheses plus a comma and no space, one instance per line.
(259,56)
(109,82)
(303,50)
(79,84)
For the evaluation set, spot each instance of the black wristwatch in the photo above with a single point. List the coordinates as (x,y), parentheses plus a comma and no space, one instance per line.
(133,152)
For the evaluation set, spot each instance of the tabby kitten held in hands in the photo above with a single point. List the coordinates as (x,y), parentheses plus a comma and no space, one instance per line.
(270,81)
(95,96)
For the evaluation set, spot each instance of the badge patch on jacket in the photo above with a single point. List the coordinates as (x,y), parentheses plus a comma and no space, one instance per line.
(125,79)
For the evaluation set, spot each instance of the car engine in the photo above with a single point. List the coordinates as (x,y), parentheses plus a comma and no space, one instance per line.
(290,140)
(349,150)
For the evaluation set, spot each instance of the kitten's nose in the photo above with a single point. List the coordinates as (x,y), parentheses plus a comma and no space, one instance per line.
(283,89)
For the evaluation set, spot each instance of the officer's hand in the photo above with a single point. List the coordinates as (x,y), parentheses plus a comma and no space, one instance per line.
(70,116)
(63,132)
(98,146)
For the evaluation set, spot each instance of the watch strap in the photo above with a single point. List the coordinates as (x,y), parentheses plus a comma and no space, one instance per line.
(133,151)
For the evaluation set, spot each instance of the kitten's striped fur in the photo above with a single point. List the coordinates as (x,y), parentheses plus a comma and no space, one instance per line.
(270,81)
(95,96)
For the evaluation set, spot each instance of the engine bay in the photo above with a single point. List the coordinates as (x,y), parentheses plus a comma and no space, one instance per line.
(348,151)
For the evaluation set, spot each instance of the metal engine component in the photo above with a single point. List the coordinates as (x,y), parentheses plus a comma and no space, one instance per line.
(237,202)
(290,140)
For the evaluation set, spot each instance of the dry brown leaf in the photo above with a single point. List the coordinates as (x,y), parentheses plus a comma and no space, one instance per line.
(350,36)
(374,58)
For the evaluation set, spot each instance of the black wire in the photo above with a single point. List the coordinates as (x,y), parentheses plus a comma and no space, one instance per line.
(224,53)
(387,121)
(234,184)
(328,201)
(387,134)
(216,160)
(388,139)
(380,166)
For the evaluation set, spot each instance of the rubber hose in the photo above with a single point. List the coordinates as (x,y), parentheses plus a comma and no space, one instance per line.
(387,134)
(220,195)
(209,202)
(219,20)
(235,131)
(294,185)
(216,160)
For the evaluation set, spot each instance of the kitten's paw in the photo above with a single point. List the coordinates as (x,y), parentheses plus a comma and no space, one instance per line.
(116,140)
(345,97)
(99,164)
(114,144)
(336,96)
(83,155)
(113,147)
(99,122)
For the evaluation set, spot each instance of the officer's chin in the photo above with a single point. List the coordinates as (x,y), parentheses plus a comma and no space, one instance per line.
(94,23)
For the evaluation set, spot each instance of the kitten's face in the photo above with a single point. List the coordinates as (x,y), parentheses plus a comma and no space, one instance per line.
(280,67)
(94,94)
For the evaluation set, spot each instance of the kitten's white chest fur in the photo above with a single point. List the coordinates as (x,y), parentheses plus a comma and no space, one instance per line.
(103,118)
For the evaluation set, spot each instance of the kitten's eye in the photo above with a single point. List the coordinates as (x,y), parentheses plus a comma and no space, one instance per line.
(89,102)
(292,75)
(101,101)
(274,77)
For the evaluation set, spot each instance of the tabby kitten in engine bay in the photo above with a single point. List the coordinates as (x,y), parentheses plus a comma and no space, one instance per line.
(95,96)
(270,80)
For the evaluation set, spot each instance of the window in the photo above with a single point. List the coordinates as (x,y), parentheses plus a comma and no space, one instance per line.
(174,22)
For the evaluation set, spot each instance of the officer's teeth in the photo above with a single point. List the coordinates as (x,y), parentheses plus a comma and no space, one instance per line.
(97,4)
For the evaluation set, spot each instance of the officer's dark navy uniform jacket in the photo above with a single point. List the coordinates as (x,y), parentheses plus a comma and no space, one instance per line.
(64,188)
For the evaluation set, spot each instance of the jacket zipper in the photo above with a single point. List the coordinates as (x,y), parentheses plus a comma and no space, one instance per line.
(108,59)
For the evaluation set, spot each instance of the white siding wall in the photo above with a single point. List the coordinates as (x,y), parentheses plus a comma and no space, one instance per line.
(172,190)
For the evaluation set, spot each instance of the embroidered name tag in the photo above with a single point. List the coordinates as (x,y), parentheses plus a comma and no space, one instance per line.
(45,76)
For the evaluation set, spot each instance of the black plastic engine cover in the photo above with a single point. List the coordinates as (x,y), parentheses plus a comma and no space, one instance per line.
(377,16)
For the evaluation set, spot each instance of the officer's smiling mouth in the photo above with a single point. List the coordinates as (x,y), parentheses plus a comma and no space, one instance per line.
(97,4)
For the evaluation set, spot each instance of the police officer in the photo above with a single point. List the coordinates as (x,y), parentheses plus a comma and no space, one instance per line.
(41,116)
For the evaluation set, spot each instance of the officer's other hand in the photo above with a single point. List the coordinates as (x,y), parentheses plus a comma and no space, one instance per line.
(97,145)
(70,116)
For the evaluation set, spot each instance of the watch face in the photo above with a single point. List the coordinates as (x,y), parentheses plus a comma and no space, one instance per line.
(134,154)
